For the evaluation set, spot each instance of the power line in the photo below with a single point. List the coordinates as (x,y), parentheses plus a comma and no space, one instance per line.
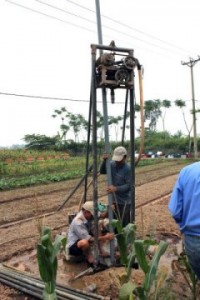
(65,11)
(42,97)
(58,19)
(148,35)
(114,29)
(132,28)
(49,16)
(54,7)
(57,98)
(94,22)
(105,26)
(49,97)
(79,5)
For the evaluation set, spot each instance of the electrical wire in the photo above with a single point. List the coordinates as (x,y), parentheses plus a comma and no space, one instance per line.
(132,28)
(79,26)
(105,26)
(59,98)
(49,16)
(114,29)
(49,97)
(65,11)
(42,97)
(167,55)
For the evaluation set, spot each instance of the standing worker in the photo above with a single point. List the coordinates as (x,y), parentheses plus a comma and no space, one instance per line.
(184,206)
(121,183)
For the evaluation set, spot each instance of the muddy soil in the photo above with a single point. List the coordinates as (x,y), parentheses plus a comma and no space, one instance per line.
(22,211)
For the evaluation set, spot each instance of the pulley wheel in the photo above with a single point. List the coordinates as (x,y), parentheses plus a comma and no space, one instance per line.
(122,76)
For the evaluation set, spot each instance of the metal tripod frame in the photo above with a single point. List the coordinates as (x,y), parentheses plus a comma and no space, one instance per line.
(93,119)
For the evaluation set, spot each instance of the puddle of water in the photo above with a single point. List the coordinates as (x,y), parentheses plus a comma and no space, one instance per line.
(27,262)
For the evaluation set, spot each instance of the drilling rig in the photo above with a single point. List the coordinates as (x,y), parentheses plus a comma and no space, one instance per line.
(112,69)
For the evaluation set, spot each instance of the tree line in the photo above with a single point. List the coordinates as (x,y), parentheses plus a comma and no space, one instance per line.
(76,124)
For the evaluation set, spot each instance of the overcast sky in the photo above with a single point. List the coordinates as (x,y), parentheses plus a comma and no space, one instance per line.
(45,52)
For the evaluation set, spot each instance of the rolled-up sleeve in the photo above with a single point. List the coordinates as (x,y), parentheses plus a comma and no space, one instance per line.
(81,231)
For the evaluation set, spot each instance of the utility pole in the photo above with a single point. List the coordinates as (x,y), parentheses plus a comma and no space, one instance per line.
(106,134)
(110,74)
(191,64)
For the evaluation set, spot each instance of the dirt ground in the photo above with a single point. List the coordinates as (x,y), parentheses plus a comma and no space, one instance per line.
(23,210)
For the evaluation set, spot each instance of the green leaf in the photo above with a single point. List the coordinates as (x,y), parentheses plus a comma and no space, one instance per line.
(139,291)
(54,268)
(46,237)
(46,241)
(46,230)
(117,225)
(129,231)
(141,255)
(131,260)
(121,241)
(126,291)
(150,276)
(49,296)
(47,260)
(44,264)
(59,240)
(50,287)
(147,243)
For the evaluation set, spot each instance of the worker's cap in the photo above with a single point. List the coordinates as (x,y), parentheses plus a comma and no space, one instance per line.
(119,153)
(88,205)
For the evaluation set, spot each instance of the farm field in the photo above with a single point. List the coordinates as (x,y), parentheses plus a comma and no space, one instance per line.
(21,210)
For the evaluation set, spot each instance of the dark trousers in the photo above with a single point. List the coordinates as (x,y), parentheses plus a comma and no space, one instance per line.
(74,250)
(123,213)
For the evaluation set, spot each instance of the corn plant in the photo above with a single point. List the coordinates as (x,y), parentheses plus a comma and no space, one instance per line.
(132,251)
(148,267)
(47,261)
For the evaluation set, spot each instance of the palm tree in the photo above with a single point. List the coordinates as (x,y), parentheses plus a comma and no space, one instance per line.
(152,112)
(64,127)
(181,104)
(164,104)
(76,122)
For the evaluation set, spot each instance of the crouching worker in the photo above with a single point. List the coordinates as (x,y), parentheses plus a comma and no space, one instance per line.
(80,239)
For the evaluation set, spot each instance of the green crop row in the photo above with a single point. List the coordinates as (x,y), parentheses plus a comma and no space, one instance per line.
(44,178)
(27,173)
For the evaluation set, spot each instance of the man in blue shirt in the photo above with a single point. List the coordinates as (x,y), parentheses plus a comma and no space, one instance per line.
(184,206)
(121,183)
